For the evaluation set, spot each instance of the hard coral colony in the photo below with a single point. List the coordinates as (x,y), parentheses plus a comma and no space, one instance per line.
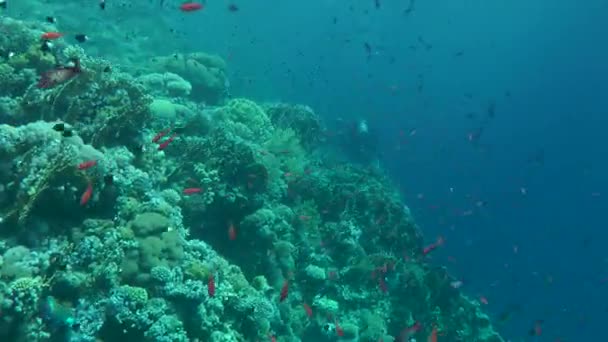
(113,229)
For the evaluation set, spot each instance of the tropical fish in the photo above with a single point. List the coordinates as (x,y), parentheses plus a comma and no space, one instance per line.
(81,38)
(433,336)
(191,191)
(51,35)
(190,7)
(59,75)
(160,134)
(211,286)
(166,143)
(307,309)
(339,330)
(231,231)
(86,195)
(284,291)
(409,331)
(87,164)
(428,249)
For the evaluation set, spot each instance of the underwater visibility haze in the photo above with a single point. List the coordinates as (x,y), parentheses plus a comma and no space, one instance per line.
(364,171)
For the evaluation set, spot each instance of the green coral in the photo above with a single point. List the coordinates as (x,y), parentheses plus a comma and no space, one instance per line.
(198,270)
(245,119)
(158,245)
(373,326)
(138,296)
(149,223)
(33,58)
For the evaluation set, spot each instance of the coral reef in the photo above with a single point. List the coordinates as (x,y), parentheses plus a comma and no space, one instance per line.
(158,219)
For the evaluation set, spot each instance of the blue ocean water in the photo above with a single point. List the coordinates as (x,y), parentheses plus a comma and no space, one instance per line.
(534,256)
(521,207)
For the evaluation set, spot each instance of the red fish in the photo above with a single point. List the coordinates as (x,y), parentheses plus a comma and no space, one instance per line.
(166,143)
(160,134)
(339,330)
(537,330)
(428,249)
(87,164)
(408,332)
(192,191)
(231,231)
(211,286)
(382,284)
(284,291)
(51,35)
(307,309)
(191,7)
(433,336)
(86,195)
(59,75)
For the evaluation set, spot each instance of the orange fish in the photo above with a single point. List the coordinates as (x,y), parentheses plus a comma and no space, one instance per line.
(86,195)
(308,310)
(284,291)
(190,7)
(166,143)
(339,330)
(87,164)
(51,35)
(192,191)
(428,249)
(160,134)
(211,285)
(231,231)
(433,336)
